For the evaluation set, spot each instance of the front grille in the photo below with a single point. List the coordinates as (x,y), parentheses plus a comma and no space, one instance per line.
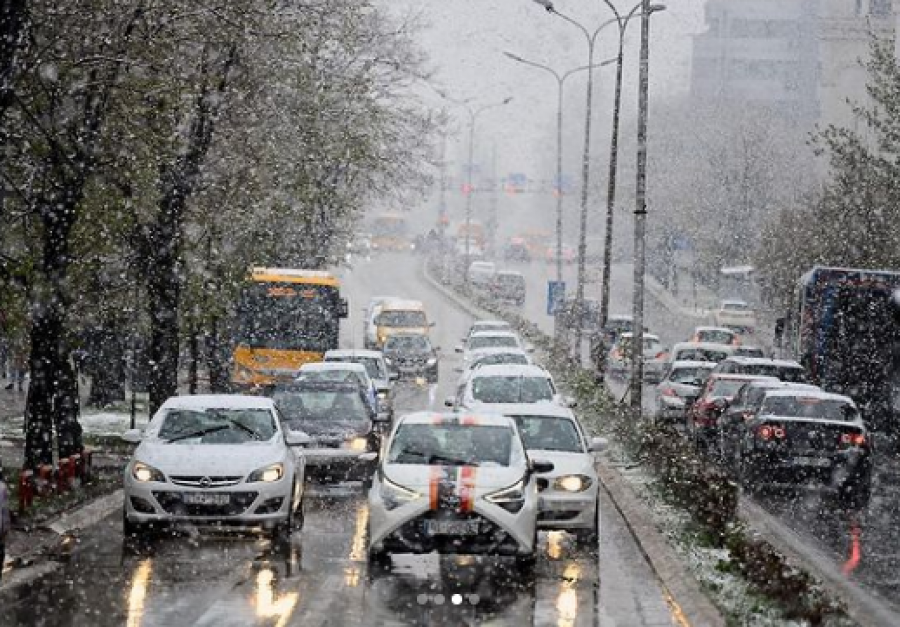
(173,503)
(558,516)
(491,539)
(204,481)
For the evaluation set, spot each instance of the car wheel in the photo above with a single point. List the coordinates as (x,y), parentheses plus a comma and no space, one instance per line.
(282,531)
(590,537)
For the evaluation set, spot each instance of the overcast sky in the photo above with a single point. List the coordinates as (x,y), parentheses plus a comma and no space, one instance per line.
(466,39)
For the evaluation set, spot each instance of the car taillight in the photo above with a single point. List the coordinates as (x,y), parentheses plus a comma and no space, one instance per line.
(769,432)
(661,355)
(853,439)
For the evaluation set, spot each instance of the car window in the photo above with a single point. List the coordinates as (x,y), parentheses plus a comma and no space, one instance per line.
(716,337)
(339,376)
(217,426)
(372,365)
(701,354)
(452,445)
(809,407)
(550,433)
(501,358)
(726,387)
(687,375)
(499,389)
(321,405)
(407,343)
(401,318)
(493,341)
(785,373)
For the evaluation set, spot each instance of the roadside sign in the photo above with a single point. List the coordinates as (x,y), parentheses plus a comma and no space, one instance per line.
(556,295)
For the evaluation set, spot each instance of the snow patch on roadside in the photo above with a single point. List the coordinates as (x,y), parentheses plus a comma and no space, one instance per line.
(100,423)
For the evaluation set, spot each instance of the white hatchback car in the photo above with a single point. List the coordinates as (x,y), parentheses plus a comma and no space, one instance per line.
(215,460)
(455,483)
(569,495)
(489,340)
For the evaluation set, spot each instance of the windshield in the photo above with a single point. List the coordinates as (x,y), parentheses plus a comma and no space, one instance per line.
(288,316)
(321,405)
(373,365)
(401,318)
(501,358)
(339,376)
(735,307)
(499,389)
(452,445)
(217,426)
(701,354)
(493,341)
(549,433)
(785,373)
(407,344)
(715,337)
(687,375)
(726,388)
(808,407)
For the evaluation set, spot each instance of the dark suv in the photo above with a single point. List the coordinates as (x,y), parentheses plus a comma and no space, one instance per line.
(411,355)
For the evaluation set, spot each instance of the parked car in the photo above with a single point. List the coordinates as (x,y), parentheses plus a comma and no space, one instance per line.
(412,356)
(716,335)
(702,425)
(569,501)
(377,369)
(679,388)
(736,315)
(656,356)
(782,369)
(744,407)
(808,438)
(509,286)
(340,424)
(215,460)
(455,483)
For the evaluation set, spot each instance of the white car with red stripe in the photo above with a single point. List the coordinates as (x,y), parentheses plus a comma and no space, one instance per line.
(455,483)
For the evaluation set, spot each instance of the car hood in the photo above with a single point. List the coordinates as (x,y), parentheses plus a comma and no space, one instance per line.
(210,459)
(565,463)
(422,478)
(331,428)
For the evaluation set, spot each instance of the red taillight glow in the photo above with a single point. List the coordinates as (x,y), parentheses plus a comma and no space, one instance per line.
(670,392)
(853,439)
(662,355)
(768,432)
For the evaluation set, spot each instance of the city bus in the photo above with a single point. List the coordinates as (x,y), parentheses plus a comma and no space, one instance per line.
(390,231)
(285,318)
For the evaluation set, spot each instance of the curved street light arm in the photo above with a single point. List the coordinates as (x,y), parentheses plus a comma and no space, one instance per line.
(534,64)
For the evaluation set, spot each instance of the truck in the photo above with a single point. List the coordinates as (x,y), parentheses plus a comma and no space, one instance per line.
(844,328)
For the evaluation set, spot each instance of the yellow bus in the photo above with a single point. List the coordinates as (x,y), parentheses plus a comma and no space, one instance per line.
(390,231)
(285,318)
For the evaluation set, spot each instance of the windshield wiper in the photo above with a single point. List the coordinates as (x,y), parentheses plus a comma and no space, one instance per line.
(452,460)
(197,434)
(244,428)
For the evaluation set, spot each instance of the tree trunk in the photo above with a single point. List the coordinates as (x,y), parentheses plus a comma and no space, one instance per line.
(13,35)
(217,359)
(66,409)
(193,359)
(106,365)
(46,329)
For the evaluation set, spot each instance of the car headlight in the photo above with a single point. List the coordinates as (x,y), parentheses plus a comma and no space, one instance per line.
(357,444)
(432,361)
(382,395)
(144,473)
(512,499)
(269,474)
(394,495)
(572,483)
(388,360)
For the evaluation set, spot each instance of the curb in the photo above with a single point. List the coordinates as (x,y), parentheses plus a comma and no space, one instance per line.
(861,606)
(689,603)
(686,595)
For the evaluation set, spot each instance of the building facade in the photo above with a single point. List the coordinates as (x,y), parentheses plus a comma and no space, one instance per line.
(803,58)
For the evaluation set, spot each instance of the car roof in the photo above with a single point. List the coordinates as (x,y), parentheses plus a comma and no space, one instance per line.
(763,361)
(541,408)
(327,386)
(350,352)
(218,401)
(402,304)
(478,353)
(721,329)
(733,301)
(716,346)
(620,318)
(819,394)
(512,370)
(778,384)
(687,363)
(510,273)
(496,333)
(629,334)
(464,417)
(330,366)
(492,322)
(733,376)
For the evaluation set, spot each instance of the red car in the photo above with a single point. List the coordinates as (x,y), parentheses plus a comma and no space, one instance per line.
(703,416)
(568,254)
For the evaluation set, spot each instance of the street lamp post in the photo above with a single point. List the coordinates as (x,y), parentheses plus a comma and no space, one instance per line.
(470,189)
(614,156)
(640,212)
(560,90)
(585,165)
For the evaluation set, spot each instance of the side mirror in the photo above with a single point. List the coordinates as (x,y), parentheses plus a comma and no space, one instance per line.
(541,466)
(431,324)
(296,438)
(449,401)
(368,457)
(458,349)
(133,436)
(598,445)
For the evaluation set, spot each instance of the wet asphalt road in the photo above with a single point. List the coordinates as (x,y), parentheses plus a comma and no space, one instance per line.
(322,579)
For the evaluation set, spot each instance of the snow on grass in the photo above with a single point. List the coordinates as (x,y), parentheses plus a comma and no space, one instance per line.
(96,423)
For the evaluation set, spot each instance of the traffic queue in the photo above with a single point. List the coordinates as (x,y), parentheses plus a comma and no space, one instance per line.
(505,458)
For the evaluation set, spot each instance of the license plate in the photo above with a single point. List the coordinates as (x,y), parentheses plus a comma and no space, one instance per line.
(203,498)
(451,527)
(815,462)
